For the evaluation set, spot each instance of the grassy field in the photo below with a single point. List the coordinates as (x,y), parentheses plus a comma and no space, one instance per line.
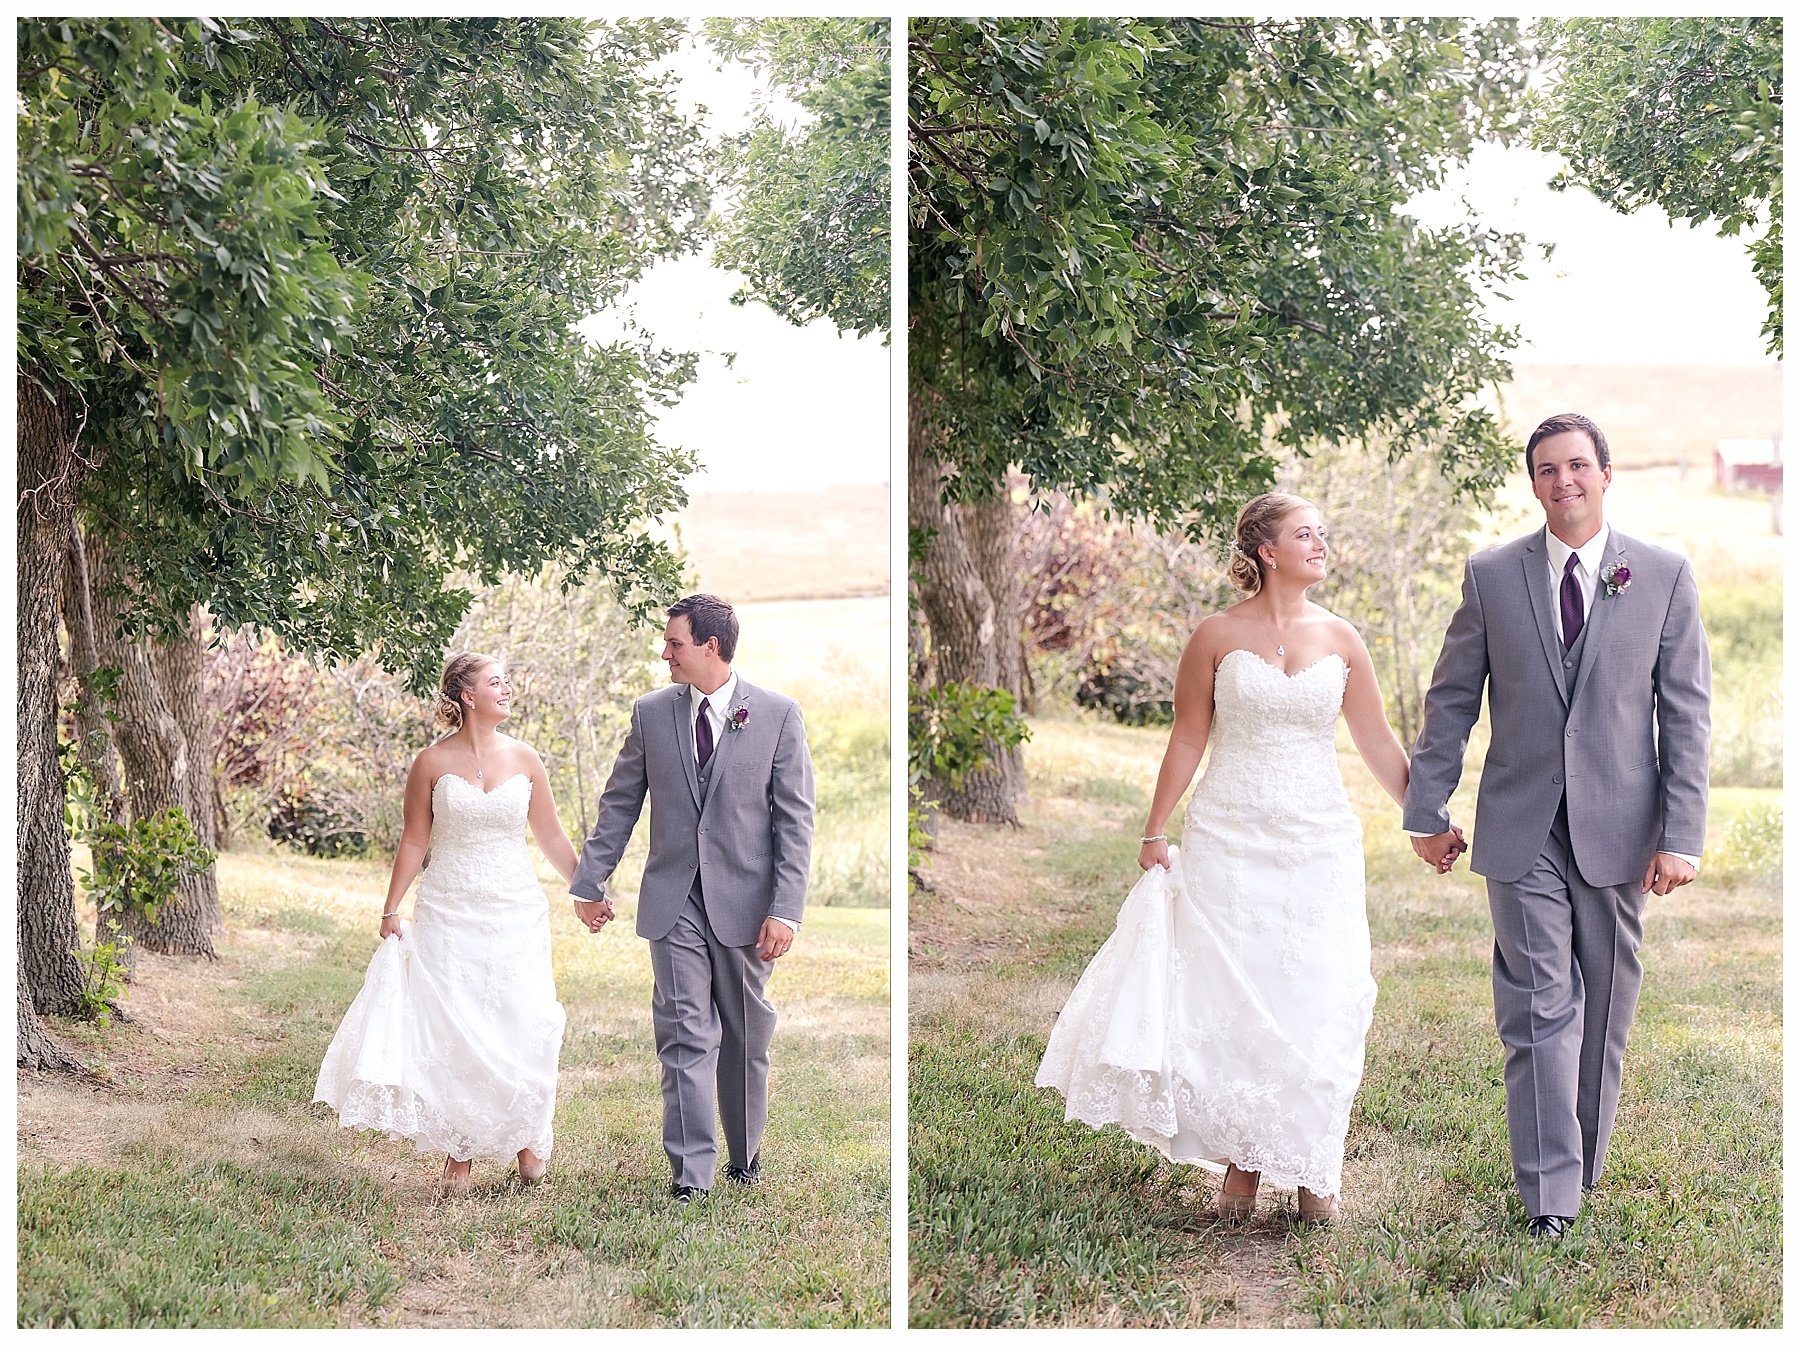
(190,1182)
(1021,1219)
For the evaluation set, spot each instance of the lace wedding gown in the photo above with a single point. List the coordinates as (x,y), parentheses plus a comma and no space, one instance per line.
(453,1040)
(1223,1021)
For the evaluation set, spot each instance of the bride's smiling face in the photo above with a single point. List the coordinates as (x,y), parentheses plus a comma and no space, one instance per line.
(1300,548)
(488,695)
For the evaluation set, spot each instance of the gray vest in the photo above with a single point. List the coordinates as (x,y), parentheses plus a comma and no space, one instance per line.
(705,774)
(1572,658)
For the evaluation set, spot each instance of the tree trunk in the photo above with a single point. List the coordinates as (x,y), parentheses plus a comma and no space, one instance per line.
(180,664)
(48,935)
(36,1050)
(158,761)
(93,738)
(968,589)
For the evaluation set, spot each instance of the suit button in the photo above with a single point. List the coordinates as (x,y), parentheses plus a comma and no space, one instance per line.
(1568,663)
(1557,778)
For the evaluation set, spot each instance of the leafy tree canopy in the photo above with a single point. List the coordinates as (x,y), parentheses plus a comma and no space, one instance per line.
(1140,245)
(1684,113)
(492,182)
(175,278)
(808,223)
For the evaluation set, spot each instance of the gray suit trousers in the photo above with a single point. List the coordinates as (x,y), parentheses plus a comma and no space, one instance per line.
(713,1028)
(1563,1020)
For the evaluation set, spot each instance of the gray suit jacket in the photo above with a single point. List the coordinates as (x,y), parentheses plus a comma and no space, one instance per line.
(751,842)
(1628,744)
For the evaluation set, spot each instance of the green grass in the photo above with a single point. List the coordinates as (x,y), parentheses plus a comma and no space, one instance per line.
(849,747)
(1021,1219)
(198,1185)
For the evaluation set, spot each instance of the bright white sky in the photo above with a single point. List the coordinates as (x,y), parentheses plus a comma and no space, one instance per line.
(1619,289)
(801,408)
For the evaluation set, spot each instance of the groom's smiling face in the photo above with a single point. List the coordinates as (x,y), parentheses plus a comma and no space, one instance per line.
(1570,484)
(690,663)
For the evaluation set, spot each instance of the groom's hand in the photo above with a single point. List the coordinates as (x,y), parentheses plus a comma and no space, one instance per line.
(1440,851)
(594,915)
(1666,874)
(775,940)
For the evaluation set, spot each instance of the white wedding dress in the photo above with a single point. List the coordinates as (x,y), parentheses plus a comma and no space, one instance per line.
(1223,1020)
(453,1040)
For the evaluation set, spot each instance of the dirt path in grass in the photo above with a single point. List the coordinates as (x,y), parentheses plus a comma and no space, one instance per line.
(993,911)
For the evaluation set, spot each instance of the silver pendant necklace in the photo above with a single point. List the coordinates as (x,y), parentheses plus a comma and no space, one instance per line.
(1280,650)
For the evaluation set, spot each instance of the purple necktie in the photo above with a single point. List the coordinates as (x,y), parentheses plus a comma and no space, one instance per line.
(1571,602)
(703,722)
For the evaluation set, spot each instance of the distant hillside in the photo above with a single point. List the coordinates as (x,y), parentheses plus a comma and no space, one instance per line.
(754,546)
(1653,415)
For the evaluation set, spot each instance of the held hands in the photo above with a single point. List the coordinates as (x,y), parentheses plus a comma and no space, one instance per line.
(775,940)
(594,915)
(1666,874)
(1440,851)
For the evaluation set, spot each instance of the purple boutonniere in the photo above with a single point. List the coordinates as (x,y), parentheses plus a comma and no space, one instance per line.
(1617,577)
(739,718)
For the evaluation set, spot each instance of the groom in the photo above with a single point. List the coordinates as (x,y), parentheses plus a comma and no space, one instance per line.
(1593,794)
(731,817)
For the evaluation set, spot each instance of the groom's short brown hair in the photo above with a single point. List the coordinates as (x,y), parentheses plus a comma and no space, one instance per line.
(1562,423)
(709,618)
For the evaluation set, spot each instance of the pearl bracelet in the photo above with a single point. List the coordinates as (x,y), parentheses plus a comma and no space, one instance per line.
(1159,837)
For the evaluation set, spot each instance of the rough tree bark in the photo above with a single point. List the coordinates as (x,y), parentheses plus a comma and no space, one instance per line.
(968,589)
(93,737)
(159,765)
(50,975)
(180,664)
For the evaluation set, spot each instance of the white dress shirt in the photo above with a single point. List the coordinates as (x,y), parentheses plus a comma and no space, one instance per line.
(1587,576)
(717,703)
(1587,571)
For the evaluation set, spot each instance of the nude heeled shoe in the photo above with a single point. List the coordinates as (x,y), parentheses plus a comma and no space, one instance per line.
(455,1184)
(1317,1209)
(1237,1206)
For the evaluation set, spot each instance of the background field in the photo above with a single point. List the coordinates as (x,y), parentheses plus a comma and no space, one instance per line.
(1653,415)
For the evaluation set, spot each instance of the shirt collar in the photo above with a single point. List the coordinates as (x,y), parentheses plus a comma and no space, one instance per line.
(720,697)
(1590,551)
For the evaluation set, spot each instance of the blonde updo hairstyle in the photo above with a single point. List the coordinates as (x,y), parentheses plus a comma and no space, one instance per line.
(1259,525)
(459,677)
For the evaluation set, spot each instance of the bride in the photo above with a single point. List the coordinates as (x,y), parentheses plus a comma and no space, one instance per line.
(453,1040)
(1223,1021)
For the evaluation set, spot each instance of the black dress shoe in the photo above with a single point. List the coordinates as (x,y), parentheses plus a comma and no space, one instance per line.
(1548,1226)
(685,1195)
(745,1177)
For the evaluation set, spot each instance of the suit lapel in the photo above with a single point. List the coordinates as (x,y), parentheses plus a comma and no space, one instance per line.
(1537,585)
(728,735)
(684,741)
(1600,615)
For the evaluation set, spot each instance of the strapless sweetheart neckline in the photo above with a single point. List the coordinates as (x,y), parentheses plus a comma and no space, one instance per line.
(1299,673)
(451,775)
